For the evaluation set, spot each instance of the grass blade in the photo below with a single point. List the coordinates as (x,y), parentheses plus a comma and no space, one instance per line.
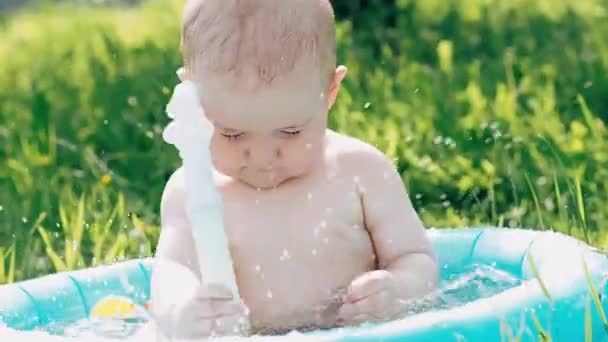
(100,237)
(588,327)
(542,334)
(580,204)
(12,262)
(560,206)
(595,296)
(536,202)
(3,275)
(539,279)
(117,248)
(587,114)
(50,252)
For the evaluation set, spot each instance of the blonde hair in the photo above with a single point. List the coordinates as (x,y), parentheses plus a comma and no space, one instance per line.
(263,38)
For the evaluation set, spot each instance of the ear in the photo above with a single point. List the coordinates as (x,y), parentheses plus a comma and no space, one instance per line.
(335,85)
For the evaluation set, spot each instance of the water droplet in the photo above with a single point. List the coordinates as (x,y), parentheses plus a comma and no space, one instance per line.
(588,84)
(257,201)
(417,91)
(1,208)
(389,241)
(443,196)
(356,226)
(446,204)
(326,241)
(316,232)
(269,294)
(437,140)
(367,105)
(418,196)
(105,122)
(323,224)
(24,219)
(258,268)
(328,211)
(356,179)
(285,255)
(218,322)
(314,252)
(308,146)
(309,196)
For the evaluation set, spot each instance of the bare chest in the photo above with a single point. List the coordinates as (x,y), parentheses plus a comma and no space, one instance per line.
(293,250)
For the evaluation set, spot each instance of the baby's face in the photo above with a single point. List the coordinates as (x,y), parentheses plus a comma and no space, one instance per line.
(268,137)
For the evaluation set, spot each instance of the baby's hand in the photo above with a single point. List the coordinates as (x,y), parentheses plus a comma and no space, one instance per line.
(373,296)
(211,312)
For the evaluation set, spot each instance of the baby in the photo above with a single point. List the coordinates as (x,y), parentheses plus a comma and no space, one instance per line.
(320,228)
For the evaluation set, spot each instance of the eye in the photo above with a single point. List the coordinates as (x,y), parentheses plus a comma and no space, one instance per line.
(291,131)
(232,136)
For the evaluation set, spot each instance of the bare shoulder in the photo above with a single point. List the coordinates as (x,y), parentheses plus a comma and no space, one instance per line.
(174,194)
(358,158)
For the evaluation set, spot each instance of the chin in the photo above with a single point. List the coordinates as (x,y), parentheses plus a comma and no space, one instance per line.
(264,182)
(264,185)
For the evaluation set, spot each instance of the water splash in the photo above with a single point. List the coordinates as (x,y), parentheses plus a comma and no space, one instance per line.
(473,283)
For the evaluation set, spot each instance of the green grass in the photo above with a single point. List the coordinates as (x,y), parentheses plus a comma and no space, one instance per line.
(493,111)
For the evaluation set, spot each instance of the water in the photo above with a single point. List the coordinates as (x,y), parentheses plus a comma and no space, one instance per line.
(475,282)
(105,328)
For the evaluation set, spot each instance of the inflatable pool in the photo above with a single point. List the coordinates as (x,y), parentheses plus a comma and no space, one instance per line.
(560,293)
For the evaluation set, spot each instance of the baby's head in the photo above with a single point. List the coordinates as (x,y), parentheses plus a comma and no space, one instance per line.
(267,75)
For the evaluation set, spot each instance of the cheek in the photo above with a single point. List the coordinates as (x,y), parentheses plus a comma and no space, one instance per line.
(305,150)
(223,156)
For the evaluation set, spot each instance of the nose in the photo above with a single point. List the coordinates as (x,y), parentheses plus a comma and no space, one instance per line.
(262,155)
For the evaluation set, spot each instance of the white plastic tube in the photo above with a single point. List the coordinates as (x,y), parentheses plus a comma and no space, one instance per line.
(190,132)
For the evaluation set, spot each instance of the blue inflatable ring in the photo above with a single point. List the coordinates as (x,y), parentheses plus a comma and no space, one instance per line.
(561,294)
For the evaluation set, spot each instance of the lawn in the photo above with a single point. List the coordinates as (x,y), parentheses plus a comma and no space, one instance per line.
(494,113)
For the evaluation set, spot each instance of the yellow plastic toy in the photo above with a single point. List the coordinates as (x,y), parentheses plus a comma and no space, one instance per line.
(117,307)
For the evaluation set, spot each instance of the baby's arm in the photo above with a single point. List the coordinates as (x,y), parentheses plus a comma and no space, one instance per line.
(175,243)
(175,266)
(399,237)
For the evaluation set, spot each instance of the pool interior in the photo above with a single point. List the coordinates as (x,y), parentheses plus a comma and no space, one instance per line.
(456,288)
